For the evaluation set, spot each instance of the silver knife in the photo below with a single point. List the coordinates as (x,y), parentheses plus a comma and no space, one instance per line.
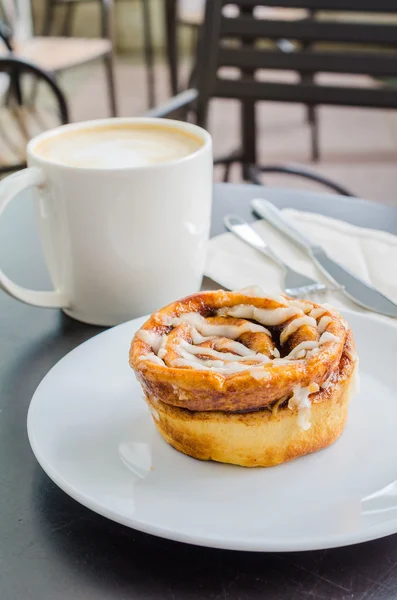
(354,288)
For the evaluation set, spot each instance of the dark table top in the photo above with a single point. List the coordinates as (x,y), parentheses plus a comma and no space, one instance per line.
(53,548)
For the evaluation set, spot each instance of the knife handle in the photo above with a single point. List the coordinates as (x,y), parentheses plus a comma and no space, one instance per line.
(273,215)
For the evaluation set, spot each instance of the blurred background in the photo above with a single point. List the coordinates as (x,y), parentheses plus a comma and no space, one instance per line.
(155,41)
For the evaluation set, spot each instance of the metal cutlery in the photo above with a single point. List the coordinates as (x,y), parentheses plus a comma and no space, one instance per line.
(354,288)
(295,284)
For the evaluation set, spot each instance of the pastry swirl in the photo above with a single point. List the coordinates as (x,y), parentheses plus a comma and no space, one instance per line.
(221,355)
(231,351)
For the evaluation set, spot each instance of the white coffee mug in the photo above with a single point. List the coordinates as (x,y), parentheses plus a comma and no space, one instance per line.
(118,242)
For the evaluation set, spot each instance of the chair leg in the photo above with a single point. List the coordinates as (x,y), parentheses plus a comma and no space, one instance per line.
(48,17)
(314,134)
(148,51)
(227,161)
(47,30)
(311,115)
(68,20)
(193,52)
(193,40)
(226,173)
(171,16)
(109,69)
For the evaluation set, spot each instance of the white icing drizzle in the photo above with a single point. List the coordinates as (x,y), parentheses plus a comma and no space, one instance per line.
(317,312)
(150,337)
(197,338)
(326,384)
(162,351)
(259,374)
(183,362)
(323,323)
(301,402)
(151,357)
(256,291)
(236,347)
(211,365)
(313,352)
(265,316)
(210,330)
(224,362)
(313,346)
(305,306)
(327,337)
(285,361)
(225,354)
(294,326)
(307,345)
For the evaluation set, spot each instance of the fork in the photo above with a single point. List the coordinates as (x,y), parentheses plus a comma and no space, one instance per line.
(295,284)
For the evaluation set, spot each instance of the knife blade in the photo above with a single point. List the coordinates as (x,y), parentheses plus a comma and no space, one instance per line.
(353,287)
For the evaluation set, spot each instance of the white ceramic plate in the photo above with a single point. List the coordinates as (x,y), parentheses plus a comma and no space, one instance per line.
(92,433)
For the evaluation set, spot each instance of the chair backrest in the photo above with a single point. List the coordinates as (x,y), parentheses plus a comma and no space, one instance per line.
(20,121)
(328,39)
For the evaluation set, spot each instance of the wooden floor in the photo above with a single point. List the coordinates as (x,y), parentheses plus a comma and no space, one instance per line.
(358,146)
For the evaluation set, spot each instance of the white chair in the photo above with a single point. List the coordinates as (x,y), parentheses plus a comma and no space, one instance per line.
(57,54)
(69,9)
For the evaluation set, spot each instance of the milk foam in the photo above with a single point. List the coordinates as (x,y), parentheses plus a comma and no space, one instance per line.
(118,146)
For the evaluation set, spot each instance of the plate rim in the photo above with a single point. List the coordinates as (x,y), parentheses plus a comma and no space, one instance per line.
(382,530)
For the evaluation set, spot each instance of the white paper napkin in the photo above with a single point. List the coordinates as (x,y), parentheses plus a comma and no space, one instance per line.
(368,253)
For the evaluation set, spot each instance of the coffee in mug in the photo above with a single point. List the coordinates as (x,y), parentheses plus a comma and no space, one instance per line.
(124,209)
(119,145)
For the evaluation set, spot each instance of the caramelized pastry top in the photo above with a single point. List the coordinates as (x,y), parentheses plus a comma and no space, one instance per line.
(238,350)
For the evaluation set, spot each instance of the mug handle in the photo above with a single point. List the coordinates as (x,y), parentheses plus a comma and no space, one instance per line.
(9,188)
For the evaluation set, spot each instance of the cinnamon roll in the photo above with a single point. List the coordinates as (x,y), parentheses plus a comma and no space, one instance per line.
(244,377)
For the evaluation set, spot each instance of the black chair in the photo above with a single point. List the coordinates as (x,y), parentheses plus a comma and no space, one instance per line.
(352,48)
(191,16)
(19,119)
